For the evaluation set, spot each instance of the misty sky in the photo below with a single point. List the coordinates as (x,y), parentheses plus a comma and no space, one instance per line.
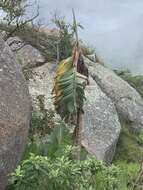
(113,27)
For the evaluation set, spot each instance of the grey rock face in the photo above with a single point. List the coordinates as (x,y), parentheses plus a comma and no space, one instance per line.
(28,55)
(14,113)
(101,124)
(128,102)
(15,43)
(25,53)
(42,84)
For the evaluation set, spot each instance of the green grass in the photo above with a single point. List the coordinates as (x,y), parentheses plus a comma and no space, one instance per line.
(128,149)
(128,156)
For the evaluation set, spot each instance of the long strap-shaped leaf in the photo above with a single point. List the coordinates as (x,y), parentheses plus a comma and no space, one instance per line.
(72,92)
(68,88)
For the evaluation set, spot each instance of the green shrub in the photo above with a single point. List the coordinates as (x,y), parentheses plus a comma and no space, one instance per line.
(64,173)
(49,163)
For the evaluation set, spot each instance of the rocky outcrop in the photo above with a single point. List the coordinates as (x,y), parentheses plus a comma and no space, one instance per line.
(104,94)
(101,124)
(127,100)
(14,113)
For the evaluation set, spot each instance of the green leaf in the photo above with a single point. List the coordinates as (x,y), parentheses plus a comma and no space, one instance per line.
(71,107)
(72,96)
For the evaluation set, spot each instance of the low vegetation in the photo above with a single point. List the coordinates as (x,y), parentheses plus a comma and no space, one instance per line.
(129,147)
(136,81)
(54,45)
(49,161)
(64,173)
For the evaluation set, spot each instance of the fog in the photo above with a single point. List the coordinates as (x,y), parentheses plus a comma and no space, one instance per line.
(113,27)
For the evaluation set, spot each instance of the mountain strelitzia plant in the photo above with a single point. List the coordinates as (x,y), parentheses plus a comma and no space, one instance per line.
(69,84)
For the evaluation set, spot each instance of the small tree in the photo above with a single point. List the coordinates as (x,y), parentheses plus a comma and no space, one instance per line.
(68,91)
(16,15)
(66,36)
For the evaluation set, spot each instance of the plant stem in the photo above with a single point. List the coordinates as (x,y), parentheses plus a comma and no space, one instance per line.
(78,132)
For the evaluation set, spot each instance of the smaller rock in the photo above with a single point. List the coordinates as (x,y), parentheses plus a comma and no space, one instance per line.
(25,53)
(28,55)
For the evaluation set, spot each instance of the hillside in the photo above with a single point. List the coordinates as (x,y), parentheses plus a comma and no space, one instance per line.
(112,137)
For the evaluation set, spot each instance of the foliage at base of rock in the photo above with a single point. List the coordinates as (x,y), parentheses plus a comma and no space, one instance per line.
(128,147)
(64,173)
(49,163)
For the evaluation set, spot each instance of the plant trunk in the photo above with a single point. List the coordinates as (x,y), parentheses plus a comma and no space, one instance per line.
(78,132)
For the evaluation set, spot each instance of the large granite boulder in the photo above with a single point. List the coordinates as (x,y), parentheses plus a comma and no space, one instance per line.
(101,124)
(127,100)
(14,113)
